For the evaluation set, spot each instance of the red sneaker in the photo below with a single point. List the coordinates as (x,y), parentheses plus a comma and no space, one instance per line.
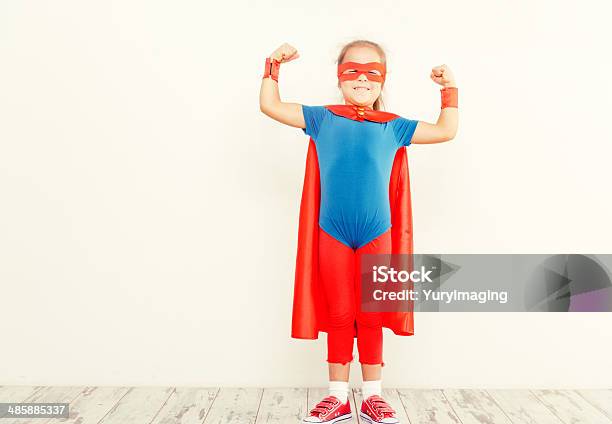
(329,410)
(375,410)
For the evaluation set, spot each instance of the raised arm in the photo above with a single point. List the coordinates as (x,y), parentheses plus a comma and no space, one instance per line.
(269,97)
(445,128)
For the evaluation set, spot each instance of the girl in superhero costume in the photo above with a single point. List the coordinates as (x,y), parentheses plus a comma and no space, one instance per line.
(355,200)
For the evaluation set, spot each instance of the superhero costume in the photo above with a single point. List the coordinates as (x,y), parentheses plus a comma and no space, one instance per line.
(310,313)
(355,158)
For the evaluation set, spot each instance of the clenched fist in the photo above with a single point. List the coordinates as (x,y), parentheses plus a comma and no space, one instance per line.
(285,53)
(443,75)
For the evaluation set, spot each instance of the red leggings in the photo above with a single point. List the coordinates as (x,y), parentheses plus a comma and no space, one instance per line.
(339,270)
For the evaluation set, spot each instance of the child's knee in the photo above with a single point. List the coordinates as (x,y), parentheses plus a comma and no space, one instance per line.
(369,319)
(342,320)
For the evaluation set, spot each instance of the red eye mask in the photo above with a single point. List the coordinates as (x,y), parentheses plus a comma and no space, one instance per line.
(362,68)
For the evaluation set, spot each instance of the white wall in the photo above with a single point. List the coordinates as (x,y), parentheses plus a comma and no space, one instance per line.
(149,210)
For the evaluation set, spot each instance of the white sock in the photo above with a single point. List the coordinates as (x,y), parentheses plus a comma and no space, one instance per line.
(372,387)
(339,389)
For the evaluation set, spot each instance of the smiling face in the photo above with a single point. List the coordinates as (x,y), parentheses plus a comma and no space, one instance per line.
(361,91)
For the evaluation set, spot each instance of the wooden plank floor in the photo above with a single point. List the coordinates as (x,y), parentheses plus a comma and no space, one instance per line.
(187,405)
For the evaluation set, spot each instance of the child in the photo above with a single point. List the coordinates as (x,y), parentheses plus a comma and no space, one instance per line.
(356,200)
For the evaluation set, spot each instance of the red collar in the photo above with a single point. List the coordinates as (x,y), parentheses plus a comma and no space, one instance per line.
(361,113)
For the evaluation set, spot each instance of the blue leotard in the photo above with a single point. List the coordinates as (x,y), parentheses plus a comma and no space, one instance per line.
(355,162)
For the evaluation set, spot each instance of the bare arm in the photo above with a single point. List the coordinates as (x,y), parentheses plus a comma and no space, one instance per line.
(269,97)
(271,105)
(445,128)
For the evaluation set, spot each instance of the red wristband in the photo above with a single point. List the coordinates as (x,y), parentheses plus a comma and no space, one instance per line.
(272,68)
(450,97)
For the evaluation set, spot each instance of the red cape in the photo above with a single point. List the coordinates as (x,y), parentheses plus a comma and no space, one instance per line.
(310,313)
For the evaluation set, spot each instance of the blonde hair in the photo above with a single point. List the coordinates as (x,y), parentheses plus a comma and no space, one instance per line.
(378,104)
